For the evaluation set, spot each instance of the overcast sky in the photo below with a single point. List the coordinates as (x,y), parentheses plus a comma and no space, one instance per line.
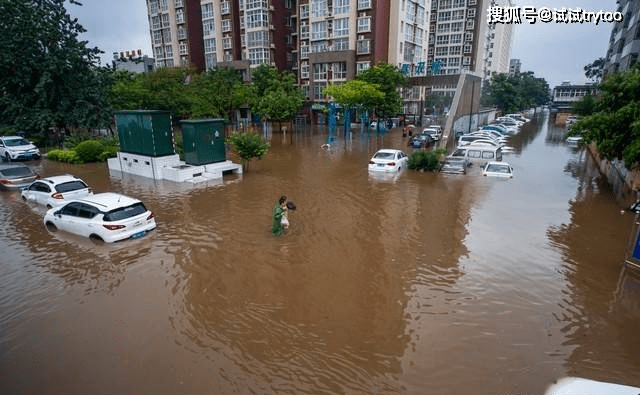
(554,51)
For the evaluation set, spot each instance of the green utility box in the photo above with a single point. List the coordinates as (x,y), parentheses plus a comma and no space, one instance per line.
(145,132)
(203,141)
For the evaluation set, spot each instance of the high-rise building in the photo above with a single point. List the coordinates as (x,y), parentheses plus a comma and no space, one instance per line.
(514,66)
(624,44)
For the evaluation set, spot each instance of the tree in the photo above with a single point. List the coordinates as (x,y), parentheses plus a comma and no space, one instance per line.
(216,93)
(614,124)
(515,93)
(248,145)
(594,70)
(49,76)
(277,97)
(355,94)
(388,79)
(585,106)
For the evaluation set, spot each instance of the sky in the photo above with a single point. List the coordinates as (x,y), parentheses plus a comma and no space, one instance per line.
(554,51)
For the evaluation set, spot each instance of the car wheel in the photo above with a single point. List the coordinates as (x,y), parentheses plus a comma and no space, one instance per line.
(95,238)
(24,198)
(49,206)
(7,158)
(51,227)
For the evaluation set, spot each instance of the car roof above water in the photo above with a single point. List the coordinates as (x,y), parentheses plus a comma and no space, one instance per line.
(109,200)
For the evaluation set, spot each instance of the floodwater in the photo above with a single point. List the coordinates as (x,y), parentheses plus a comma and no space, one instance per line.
(415,284)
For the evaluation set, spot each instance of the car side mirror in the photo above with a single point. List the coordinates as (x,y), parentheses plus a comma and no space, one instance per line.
(58,213)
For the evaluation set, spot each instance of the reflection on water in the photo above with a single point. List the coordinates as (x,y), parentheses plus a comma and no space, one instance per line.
(410,283)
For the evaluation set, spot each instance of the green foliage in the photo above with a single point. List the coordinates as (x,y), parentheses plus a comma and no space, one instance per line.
(513,93)
(425,160)
(387,78)
(275,94)
(49,75)
(248,145)
(90,150)
(584,106)
(7,131)
(109,152)
(614,123)
(217,92)
(594,70)
(66,156)
(355,94)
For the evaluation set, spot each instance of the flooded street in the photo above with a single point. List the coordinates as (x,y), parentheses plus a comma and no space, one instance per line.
(416,284)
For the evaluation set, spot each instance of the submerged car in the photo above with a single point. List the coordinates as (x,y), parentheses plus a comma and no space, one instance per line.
(388,160)
(55,191)
(16,148)
(420,141)
(454,165)
(106,216)
(498,169)
(15,176)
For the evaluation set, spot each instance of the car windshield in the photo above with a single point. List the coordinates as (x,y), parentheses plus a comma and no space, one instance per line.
(459,152)
(125,212)
(497,168)
(70,186)
(15,142)
(383,155)
(16,172)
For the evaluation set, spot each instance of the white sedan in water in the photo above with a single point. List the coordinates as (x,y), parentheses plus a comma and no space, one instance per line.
(498,169)
(388,161)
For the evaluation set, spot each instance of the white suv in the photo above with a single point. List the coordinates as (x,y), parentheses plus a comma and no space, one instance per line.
(16,147)
(104,216)
(55,191)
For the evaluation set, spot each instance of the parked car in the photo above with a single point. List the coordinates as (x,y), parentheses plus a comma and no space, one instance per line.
(498,169)
(479,154)
(55,191)
(502,129)
(15,176)
(106,216)
(433,132)
(519,117)
(574,141)
(388,160)
(470,138)
(420,141)
(455,165)
(16,147)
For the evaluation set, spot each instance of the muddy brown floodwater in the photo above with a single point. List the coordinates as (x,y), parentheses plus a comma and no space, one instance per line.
(415,284)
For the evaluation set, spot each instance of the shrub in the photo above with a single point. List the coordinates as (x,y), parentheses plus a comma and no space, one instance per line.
(425,160)
(248,145)
(90,150)
(109,152)
(66,156)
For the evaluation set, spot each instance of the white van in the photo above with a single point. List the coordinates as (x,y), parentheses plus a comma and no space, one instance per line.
(478,153)
(467,139)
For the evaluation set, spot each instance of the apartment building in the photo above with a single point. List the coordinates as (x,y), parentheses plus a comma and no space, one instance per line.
(624,44)
(514,66)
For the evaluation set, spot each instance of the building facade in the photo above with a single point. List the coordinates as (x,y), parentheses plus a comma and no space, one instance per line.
(514,66)
(566,94)
(624,44)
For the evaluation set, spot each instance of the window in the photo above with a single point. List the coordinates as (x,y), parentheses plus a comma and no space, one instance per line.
(318,89)
(226,25)
(168,50)
(467,48)
(304,51)
(442,40)
(468,36)
(304,11)
(182,34)
(304,32)
(442,51)
(444,27)
(155,22)
(225,7)
(340,44)
(208,27)
(341,27)
(287,4)
(364,4)
(466,61)
(471,13)
(183,49)
(341,7)
(180,16)
(254,4)
(178,3)
(122,212)
(470,24)
(258,55)
(257,18)
(166,35)
(153,7)
(457,26)
(157,37)
(339,71)
(209,45)
(362,66)
(364,24)
(226,43)
(304,70)
(318,8)
(164,5)
(319,30)
(454,62)
(319,71)
(207,11)
(444,16)
(257,39)
(472,2)
(319,46)
(363,46)
(455,50)
(455,39)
